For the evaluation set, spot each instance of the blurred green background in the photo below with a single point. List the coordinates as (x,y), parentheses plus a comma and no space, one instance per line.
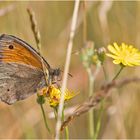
(107,22)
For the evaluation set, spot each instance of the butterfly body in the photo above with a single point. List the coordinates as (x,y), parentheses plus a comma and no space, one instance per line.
(21,71)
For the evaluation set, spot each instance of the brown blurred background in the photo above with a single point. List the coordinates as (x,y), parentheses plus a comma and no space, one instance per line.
(106,22)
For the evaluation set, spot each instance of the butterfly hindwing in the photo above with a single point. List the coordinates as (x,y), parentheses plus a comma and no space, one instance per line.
(18,82)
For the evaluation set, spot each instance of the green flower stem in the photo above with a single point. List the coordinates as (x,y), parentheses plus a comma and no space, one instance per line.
(44,117)
(67,133)
(115,77)
(98,126)
(91,113)
(66,128)
(55,113)
(105,74)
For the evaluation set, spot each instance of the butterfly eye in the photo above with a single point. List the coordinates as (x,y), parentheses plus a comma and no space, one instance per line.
(11,47)
(57,72)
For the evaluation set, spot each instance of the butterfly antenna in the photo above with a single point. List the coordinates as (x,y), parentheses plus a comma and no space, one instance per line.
(69,74)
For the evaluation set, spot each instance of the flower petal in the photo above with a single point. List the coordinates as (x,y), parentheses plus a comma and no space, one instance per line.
(116,46)
(116,61)
(112,49)
(112,56)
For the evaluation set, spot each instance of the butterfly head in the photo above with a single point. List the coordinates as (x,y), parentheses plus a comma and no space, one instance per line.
(56,72)
(55,75)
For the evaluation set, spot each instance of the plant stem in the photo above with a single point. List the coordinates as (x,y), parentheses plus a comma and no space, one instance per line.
(115,77)
(55,113)
(44,117)
(37,37)
(98,126)
(66,129)
(67,133)
(91,113)
(105,74)
(66,68)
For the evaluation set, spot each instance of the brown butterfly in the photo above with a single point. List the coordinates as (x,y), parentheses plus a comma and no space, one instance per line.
(21,71)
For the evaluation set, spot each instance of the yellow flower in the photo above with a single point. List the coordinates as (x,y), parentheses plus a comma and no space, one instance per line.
(124,54)
(55,95)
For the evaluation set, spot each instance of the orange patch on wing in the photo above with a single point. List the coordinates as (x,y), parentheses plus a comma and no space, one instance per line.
(19,54)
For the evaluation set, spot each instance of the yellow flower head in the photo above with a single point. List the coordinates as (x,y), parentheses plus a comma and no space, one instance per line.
(124,54)
(55,95)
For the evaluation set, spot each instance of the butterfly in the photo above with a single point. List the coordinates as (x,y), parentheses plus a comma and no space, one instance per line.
(21,70)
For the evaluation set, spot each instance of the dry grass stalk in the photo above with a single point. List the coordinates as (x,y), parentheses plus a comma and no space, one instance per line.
(35,29)
(37,37)
(38,42)
(94,101)
(67,64)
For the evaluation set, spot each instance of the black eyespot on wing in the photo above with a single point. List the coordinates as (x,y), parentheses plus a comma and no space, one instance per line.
(11,47)
(8,89)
